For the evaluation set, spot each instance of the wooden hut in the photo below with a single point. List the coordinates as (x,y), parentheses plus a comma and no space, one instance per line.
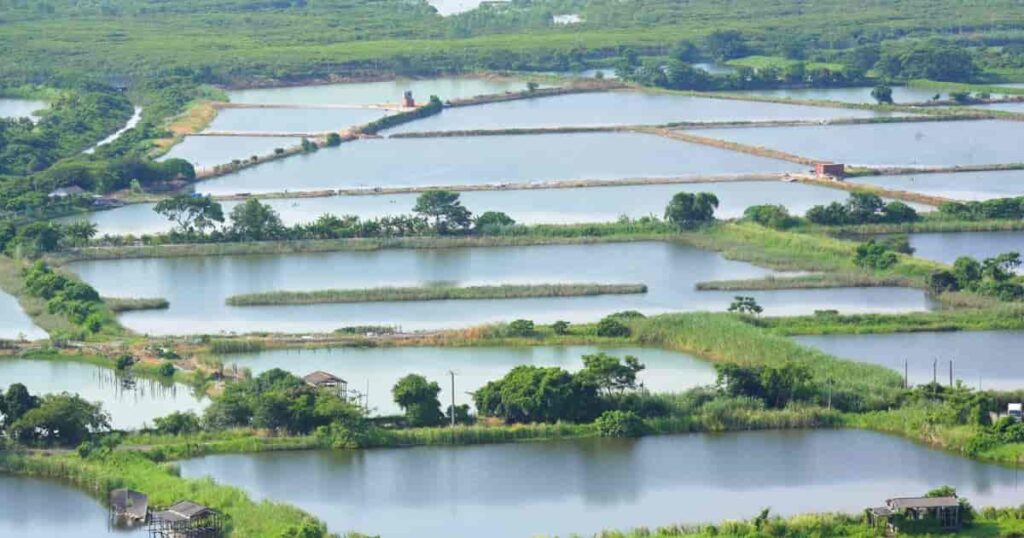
(128,507)
(944,510)
(320,379)
(186,519)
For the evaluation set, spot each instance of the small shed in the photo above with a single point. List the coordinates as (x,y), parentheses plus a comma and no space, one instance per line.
(945,510)
(407,99)
(822,169)
(64,192)
(186,519)
(320,379)
(128,506)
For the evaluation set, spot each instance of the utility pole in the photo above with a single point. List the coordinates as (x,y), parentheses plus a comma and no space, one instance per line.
(830,393)
(906,374)
(950,373)
(450,372)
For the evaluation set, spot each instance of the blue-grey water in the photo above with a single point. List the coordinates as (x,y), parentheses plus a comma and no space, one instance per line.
(490,160)
(989,359)
(943,143)
(40,508)
(617,108)
(209,151)
(958,186)
(946,247)
(197,287)
(376,93)
(20,108)
(14,322)
(292,120)
(900,94)
(585,486)
(535,206)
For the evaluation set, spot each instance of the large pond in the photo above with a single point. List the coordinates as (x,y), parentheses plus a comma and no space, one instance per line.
(900,94)
(926,143)
(959,185)
(14,322)
(617,108)
(369,93)
(1006,107)
(20,108)
(490,160)
(585,486)
(946,247)
(131,404)
(207,151)
(198,287)
(548,206)
(373,371)
(37,508)
(292,120)
(990,359)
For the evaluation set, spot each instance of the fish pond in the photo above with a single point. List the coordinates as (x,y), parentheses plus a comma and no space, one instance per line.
(859,95)
(989,358)
(292,120)
(376,93)
(373,371)
(490,160)
(131,402)
(20,108)
(946,247)
(936,143)
(14,322)
(530,206)
(584,486)
(618,108)
(209,151)
(958,186)
(38,508)
(197,287)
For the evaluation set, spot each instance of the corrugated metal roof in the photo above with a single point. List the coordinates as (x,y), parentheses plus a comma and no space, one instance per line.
(922,502)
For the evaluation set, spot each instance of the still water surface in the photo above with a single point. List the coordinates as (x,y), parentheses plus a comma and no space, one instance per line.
(20,108)
(488,160)
(900,94)
(14,322)
(959,186)
(292,120)
(991,358)
(207,151)
(946,247)
(539,206)
(37,508)
(617,108)
(198,287)
(374,371)
(926,143)
(584,486)
(130,404)
(375,93)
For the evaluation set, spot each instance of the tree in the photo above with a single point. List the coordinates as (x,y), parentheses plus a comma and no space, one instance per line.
(882,94)
(490,221)
(254,221)
(967,272)
(538,394)
(942,281)
(418,398)
(521,327)
(191,214)
(616,423)
(725,45)
(772,216)
(61,419)
(688,209)
(684,51)
(560,327)
(612,327)
(874,255)
(745,305)
(1000,268)
(532,86)
(445,209)
(609,374)
(16,402)
(333,140)
(178,423)
(79,233)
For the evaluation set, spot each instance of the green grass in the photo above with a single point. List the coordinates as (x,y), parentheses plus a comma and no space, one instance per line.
(778,62)
(128,304)
(99,475)
(1001,317)
(432,293)
(813,281)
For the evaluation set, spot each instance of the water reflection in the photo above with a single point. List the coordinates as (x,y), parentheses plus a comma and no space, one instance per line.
(560,488)
(37,508)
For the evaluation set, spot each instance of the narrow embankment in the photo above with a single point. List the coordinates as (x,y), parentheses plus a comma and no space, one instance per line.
(731,146)
(813,281)
(432,293)
(129,304)
(906,196)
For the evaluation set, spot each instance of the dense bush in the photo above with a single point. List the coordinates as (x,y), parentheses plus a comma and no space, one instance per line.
(861,208)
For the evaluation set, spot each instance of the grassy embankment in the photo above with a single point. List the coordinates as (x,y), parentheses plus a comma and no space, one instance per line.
(432,293)
(128,304)
(102,473)
(12,283)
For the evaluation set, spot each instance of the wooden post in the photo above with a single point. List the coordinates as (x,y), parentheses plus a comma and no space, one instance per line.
(950,373)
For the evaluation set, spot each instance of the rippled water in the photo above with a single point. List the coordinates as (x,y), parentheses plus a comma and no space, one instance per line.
(37,508)
(958,186)
(14,322)
(207,151)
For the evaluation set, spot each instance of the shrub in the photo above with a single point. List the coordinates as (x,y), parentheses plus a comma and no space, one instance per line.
(619,424)
(166,369)
(560,327)
(521,327)
(612,327)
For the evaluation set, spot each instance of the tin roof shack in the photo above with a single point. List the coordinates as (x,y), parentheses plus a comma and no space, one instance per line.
(906,513)
(824,169)
(186,519)
(320,380)
(128,507)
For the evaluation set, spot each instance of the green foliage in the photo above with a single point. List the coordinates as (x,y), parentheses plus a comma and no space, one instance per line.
(333,139)
(776,386)
(609,374)
(255,221)
(993,276)
(690,209)
(60,419)
(772,216)
(882,94)
(612,327)
(560,327)
(75,299)
(538,394)
(861,208)
(745,305)
(998,208)
(124,362)
(490,222)
(418,398)
(166,369)
(178,423)
(191,213)
(445,210)
(933,59)
(617,423)
(874,255)
(521,328)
